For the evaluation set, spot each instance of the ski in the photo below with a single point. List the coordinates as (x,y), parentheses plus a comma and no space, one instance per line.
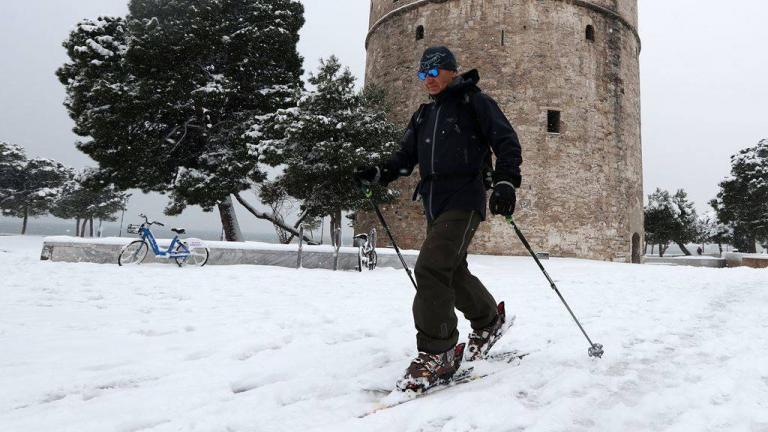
(394,398)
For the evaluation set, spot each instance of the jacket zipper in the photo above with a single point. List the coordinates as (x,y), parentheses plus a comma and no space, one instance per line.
(432,182)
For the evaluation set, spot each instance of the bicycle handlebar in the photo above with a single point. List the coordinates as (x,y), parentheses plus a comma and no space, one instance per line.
(148,222)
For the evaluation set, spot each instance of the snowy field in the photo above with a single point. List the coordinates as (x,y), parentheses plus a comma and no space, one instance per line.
(88,347)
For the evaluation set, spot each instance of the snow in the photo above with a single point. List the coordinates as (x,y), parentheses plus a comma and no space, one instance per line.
(89,347)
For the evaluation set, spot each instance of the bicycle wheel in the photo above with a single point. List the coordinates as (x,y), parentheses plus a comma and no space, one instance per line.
(198,256)
(372,260)
(133,253)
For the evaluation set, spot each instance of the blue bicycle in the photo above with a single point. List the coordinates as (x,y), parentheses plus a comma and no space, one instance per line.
(188,251)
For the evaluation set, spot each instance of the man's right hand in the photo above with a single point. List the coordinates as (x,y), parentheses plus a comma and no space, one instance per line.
(367,175)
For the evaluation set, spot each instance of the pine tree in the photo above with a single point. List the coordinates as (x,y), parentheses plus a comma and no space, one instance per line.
(670,218)
(180,87)
(319,143)
(28,188)
(742,202)
(13,160)
(84,198)
(660,220)
(685,221)
(710,230)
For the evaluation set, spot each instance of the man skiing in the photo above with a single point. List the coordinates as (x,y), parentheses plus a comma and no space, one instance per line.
(450,139)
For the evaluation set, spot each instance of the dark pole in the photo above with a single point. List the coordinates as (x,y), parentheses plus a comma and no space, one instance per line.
(369,195)
(595,349)
(120,233)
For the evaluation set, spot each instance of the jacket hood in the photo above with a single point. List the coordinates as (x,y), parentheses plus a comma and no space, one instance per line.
(461,84)
(472,77)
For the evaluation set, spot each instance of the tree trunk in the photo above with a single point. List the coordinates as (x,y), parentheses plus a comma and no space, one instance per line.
(662,249)
(752,245)
(296,226)
(90,227)
(82,227)
(229,221)
(683,248)
(335,224)
(271,218)
(24,223)
(720,247)
(77,226)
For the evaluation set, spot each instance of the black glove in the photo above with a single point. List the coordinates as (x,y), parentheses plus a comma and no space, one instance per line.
(504,198)
(367,175)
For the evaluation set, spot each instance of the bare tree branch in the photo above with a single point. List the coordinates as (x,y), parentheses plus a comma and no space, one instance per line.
(271,218)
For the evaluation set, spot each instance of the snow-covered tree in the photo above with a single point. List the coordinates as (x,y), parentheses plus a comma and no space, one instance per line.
(686,221)
(742,202)
(659,220)
(318,143)
(670,218)
(710,230)
(84,198)
(29,188)
(13,161)
(181,82)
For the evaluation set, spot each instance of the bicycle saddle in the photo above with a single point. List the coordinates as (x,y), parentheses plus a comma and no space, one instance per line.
(179,230)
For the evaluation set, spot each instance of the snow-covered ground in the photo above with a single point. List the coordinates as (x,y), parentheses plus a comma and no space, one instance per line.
(88,347)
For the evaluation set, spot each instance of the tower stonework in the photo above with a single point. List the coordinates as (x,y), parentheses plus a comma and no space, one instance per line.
(579,60)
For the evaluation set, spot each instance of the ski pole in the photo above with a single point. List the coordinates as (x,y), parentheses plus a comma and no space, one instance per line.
(369,195)
(595,349)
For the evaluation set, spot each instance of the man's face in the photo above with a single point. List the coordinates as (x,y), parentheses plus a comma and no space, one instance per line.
(436,85)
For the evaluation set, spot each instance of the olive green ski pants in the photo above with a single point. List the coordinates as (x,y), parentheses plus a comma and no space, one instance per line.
(444,283)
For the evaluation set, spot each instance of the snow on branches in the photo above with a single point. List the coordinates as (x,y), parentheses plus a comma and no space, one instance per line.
(163,95)
(318,143)
(742,202)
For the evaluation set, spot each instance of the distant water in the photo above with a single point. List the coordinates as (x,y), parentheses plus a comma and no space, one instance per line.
(47,228)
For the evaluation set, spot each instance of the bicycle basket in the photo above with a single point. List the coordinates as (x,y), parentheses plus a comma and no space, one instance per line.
(132,229)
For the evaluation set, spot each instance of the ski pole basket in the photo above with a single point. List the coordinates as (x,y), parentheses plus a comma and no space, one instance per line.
(132,229)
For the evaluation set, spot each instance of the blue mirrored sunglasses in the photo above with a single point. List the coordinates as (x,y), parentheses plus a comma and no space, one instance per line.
(434,72)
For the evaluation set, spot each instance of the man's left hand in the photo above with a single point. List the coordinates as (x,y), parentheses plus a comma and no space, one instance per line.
(503,199)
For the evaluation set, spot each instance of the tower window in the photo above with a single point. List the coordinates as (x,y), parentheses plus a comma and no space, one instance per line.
(502,38)
(420,32)
(590,33)
(553,121)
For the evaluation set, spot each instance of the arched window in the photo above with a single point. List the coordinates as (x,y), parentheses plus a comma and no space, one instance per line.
(420,32)
(590,33)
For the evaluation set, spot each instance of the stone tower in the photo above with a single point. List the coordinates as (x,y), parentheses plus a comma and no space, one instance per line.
(566,73)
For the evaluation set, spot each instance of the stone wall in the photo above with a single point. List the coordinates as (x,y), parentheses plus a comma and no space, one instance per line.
(106,251)
(582,188)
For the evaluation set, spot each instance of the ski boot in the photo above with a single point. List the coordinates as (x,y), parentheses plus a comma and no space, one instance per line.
(429,370)
(481,341)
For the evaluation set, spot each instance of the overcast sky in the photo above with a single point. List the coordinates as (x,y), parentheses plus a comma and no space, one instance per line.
(703,80)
